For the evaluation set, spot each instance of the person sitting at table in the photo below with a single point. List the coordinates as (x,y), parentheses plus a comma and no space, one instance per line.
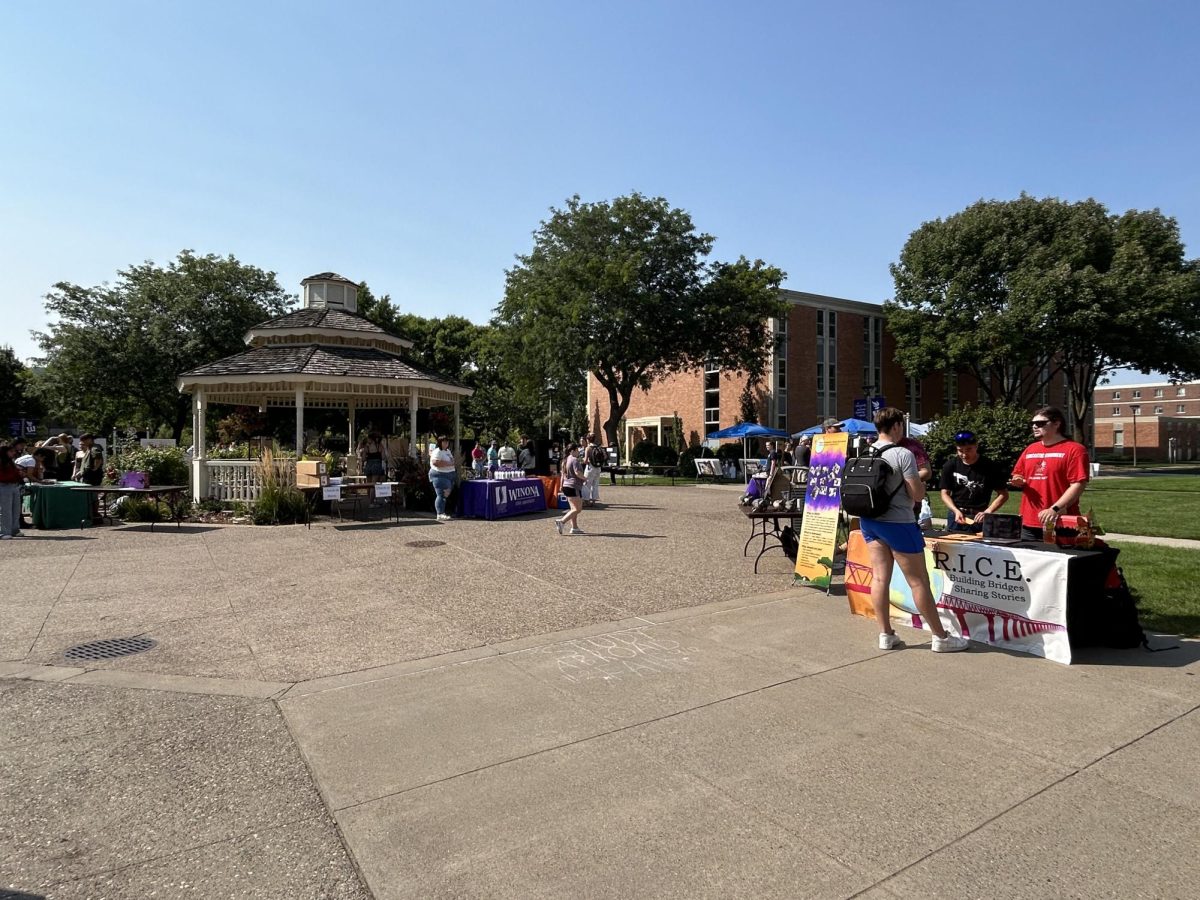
(968,481)
(11,479)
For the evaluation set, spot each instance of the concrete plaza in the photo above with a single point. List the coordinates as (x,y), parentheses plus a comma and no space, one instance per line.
(486,709)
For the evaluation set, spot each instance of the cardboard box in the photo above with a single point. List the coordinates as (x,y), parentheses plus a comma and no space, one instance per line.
(310,473)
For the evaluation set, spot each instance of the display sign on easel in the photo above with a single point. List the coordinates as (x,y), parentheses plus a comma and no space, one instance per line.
(383,490)
(331,492)
(822,510)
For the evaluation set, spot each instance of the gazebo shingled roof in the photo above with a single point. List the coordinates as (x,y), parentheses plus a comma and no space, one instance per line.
(350,362)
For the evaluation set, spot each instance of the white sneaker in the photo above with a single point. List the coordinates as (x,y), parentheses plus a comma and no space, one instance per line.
(444,517)
(558,525)
(951,643)
(890,641)
(6,537)
(575,531)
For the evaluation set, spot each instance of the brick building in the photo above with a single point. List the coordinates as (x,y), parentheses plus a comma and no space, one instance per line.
(830,352)
(1161,420)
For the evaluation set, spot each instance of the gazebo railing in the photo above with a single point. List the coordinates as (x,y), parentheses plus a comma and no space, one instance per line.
(241,479)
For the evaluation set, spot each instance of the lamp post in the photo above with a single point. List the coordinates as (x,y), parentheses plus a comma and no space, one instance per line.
(1134,410)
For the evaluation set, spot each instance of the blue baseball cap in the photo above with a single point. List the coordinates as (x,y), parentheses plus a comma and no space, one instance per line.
(965,437)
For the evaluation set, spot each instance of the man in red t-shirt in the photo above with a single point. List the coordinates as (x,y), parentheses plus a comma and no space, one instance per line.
(1052,472)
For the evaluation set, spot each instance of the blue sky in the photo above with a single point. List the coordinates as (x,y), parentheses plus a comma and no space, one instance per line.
(417,146)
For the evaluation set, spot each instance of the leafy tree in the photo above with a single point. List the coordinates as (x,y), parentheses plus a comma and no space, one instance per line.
(1002,430)
(1017,291)
(623,289)
(113,351)
(16,398)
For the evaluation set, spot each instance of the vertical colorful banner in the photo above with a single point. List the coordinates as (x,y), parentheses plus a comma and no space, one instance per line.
(822,509)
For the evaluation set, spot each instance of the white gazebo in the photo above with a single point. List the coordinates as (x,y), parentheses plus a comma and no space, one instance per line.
(322,356)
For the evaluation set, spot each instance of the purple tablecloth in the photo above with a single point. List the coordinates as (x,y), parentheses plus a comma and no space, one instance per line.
(488,499)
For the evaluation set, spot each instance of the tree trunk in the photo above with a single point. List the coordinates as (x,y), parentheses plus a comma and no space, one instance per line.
(617,408)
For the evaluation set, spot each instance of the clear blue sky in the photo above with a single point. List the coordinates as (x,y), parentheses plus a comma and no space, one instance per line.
(416,146)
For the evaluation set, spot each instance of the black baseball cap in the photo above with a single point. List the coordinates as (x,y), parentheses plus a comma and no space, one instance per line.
(965,437)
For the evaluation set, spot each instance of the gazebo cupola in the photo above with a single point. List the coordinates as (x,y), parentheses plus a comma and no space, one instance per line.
(329,290)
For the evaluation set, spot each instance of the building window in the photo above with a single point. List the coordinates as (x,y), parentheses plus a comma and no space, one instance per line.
(951,391)
(1181,392)
(1116,395)
(872,354)
(712,398)
(1137,395)
(1135,410)
(1118,436)
(912,398)
(1116,412)
(826,363)
(1157,412)
(1158,393)
(1180,408)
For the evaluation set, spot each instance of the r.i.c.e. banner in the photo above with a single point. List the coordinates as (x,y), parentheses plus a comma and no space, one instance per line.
(822,508)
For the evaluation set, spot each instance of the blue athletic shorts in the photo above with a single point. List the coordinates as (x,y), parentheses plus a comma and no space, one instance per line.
(903,537)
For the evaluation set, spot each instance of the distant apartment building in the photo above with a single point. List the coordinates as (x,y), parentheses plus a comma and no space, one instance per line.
(1161,420)
(829,354)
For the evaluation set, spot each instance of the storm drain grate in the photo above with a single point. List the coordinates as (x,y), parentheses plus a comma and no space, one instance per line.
(425,544)
(110,648)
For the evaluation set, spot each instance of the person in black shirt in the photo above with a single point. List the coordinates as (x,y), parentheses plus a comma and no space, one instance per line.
(968,482)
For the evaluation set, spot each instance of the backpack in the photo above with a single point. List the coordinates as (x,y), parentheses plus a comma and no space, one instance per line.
(864,485)
(597,456)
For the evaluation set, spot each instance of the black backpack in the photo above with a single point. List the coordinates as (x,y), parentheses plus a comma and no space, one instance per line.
(864,485)
(597,456)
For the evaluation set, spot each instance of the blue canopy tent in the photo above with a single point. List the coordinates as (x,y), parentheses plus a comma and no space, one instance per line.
(745,431)
(807,432)
(857,426)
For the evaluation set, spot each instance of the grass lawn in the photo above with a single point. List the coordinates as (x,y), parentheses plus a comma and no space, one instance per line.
(1153,505)
(1165,580)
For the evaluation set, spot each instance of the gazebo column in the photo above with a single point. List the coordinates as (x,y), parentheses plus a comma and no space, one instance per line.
(199,426)
(457,424)
(413,401)
(351,430)
(299,422)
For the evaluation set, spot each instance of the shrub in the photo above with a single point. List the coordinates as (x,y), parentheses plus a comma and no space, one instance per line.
(164,465)
(1002,431)
(278,503)
(687,459)
(139,509)
(211,505)
(731,450)
(653,454)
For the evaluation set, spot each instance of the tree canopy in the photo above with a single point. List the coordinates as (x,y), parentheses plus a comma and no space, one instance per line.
(1019,291)
(623,289)
(16,401)
(113,351)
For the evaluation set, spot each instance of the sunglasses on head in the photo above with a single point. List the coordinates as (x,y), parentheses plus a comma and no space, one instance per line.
(1040,423)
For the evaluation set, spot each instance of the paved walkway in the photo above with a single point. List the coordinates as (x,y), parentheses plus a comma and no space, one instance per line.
(335,713)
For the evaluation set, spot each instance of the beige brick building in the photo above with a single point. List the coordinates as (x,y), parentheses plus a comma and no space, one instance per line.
(1161,420)
(830,352)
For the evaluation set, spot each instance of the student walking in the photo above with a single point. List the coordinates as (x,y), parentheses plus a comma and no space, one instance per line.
(572,489)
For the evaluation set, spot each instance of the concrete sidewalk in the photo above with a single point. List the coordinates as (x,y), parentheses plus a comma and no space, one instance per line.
(336,713)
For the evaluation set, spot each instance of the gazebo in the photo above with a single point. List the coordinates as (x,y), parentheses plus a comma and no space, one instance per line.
(322,356)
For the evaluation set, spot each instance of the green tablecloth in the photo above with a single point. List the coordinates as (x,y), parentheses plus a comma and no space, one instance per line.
(57,506)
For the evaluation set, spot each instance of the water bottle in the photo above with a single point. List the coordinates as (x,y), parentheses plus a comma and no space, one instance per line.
(1048,535)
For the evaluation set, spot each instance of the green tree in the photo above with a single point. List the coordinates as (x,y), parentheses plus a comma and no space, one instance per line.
(16,398)
(113,351)
(1017,291)
(623,289)
(1002,430)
